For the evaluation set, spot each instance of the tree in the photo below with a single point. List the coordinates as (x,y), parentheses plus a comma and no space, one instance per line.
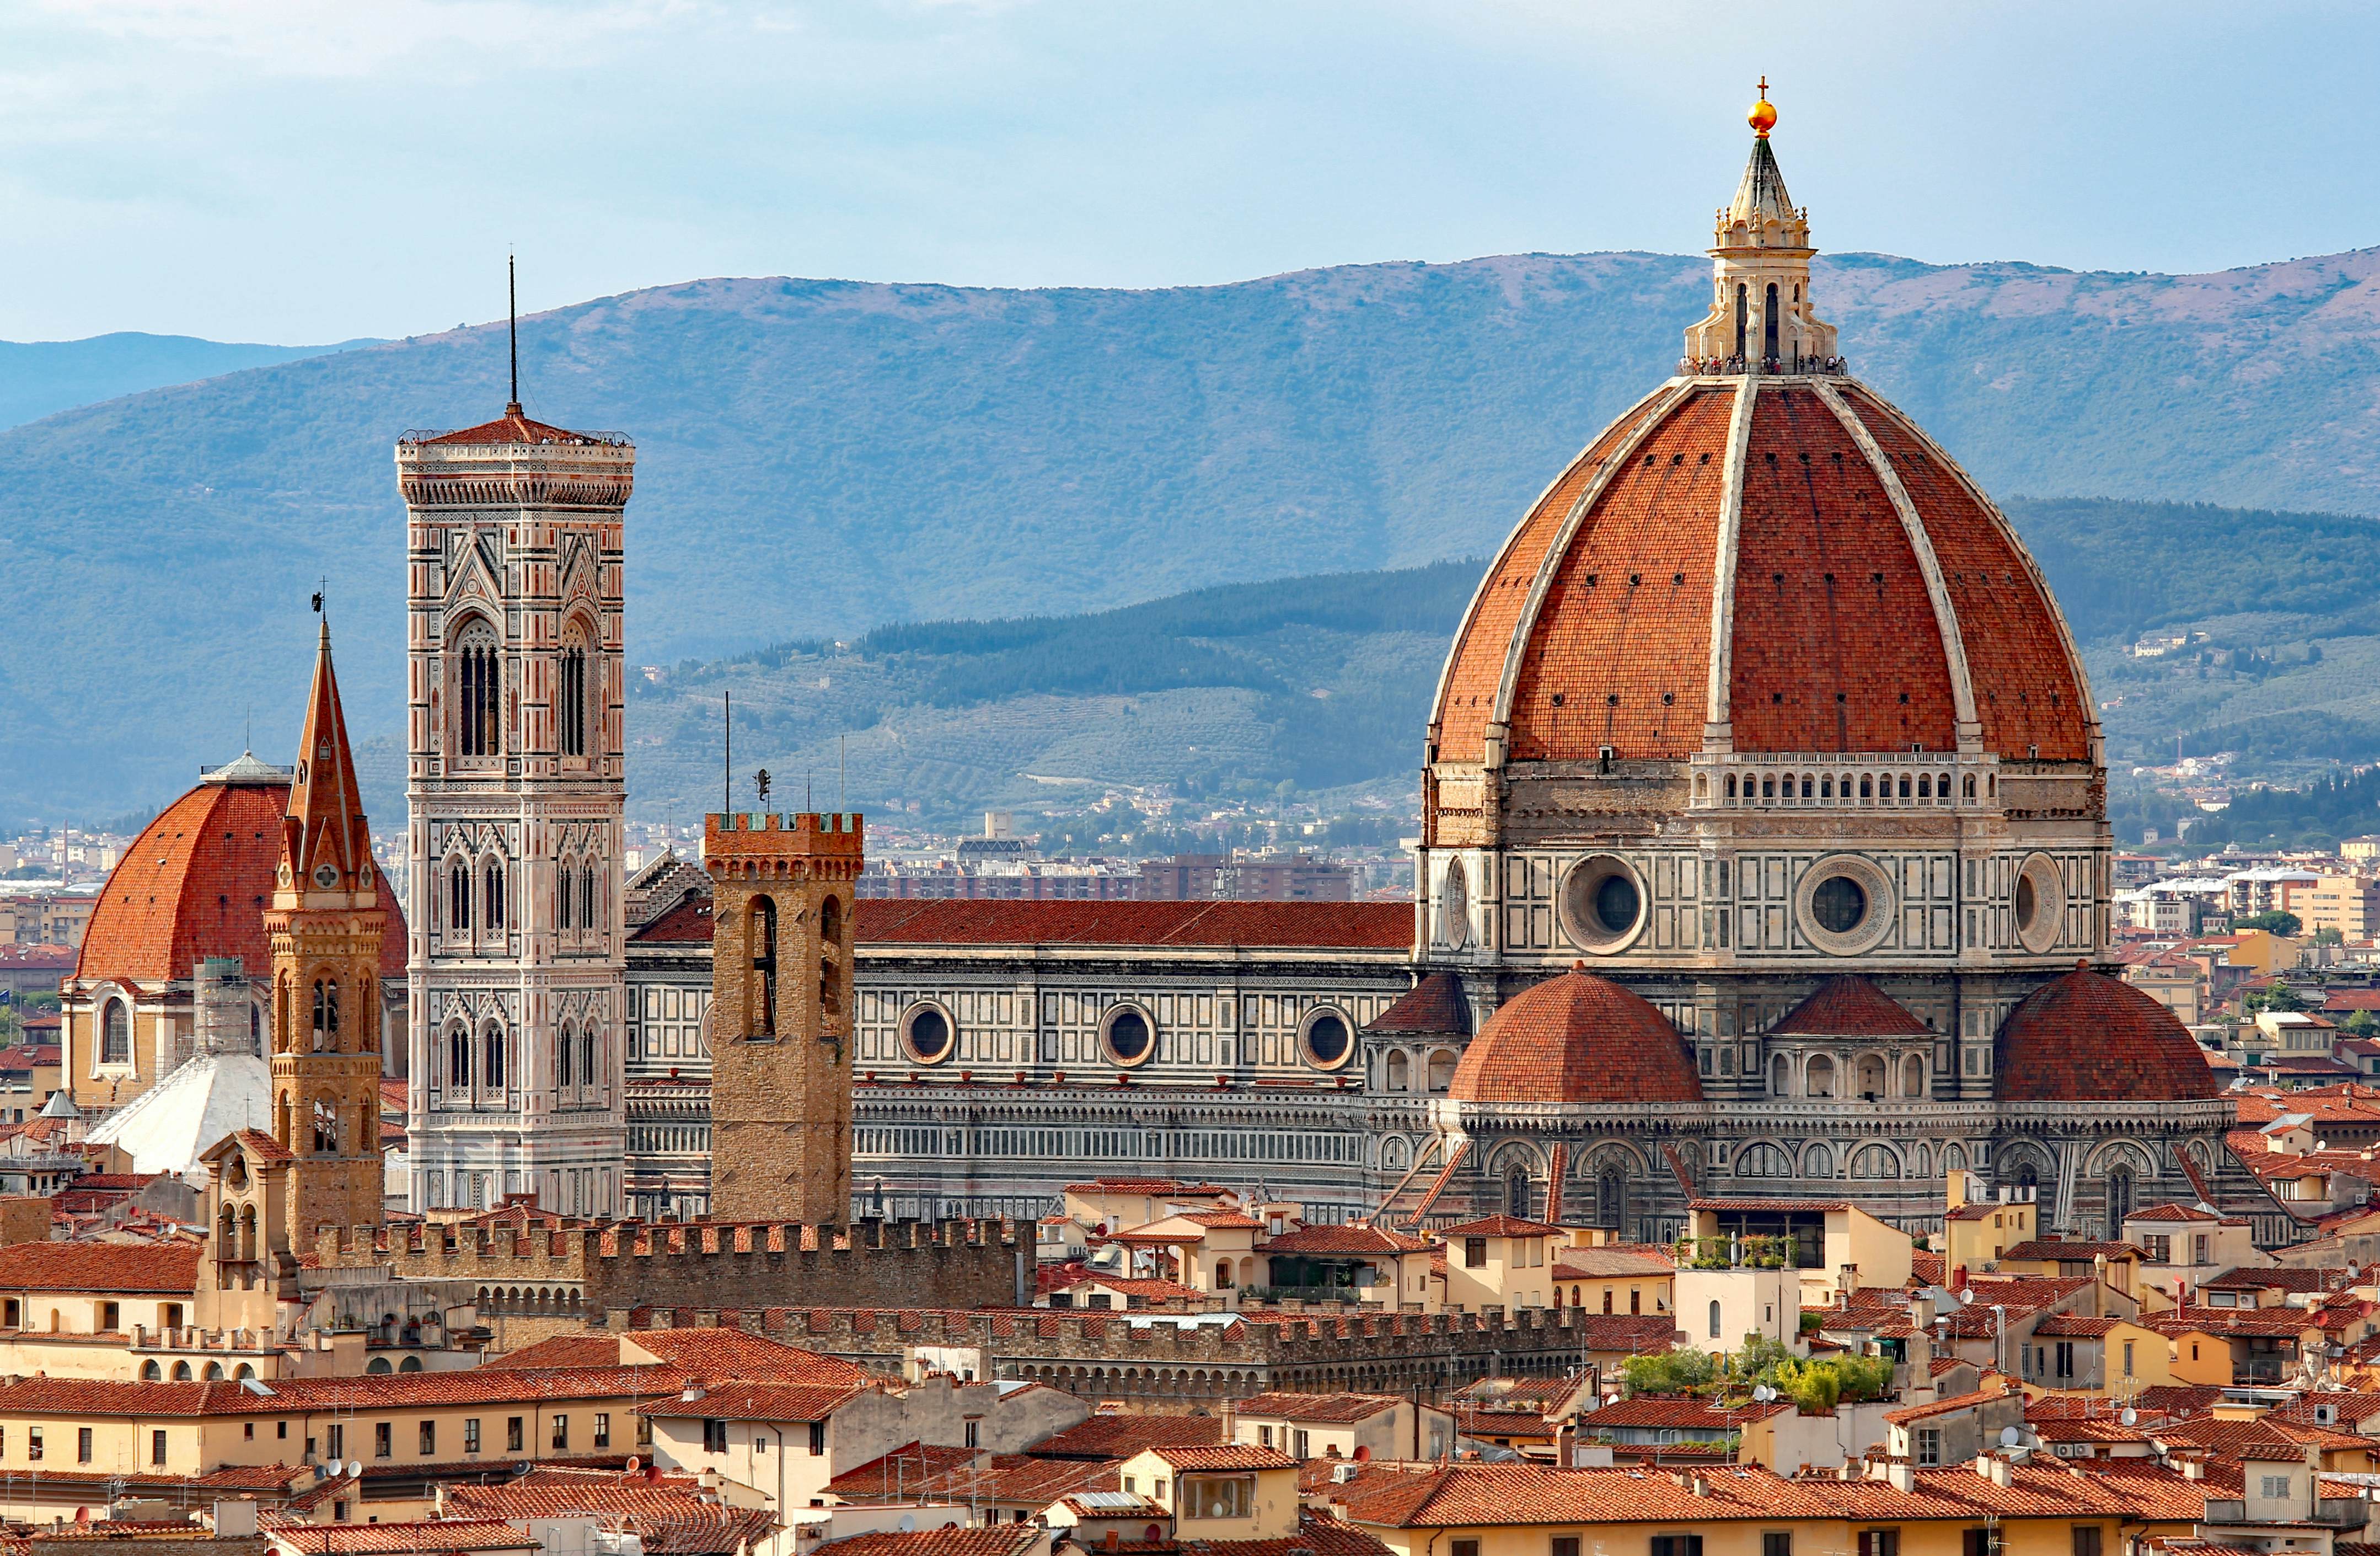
(1670,1372)
(2363,1024)
(2286,925)
(2328,935)
(2279,996)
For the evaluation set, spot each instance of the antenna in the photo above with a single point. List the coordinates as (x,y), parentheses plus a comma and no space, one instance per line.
(512,329)
(727,773)
(840,803)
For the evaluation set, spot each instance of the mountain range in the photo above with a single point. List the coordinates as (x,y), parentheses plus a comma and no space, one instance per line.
(41,378)
(819,458)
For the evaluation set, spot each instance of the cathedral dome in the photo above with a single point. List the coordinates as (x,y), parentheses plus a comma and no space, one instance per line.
(197,884)
(1576,1038)
(1787,560)
(2089,1038)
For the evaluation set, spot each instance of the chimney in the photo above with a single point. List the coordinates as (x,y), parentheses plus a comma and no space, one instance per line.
(2192,1467)
(1900,1477)
(1111,1542)
(1230,1422)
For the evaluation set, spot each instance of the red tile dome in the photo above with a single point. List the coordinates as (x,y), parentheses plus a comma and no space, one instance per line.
(197,883)
(2089,1038)
(1576,1038)
(1863,593)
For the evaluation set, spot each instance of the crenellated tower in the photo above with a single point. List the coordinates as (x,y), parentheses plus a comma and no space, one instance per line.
(324,927)
(514,787)
(782,893)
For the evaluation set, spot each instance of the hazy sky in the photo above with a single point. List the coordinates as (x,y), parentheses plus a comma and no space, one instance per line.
(298,171)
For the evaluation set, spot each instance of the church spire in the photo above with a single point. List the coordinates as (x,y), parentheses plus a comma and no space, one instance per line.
(1761,320)
(325,840)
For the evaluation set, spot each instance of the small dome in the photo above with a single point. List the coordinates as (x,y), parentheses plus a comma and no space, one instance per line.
(1576,1039)
(196,881)
(2089,1038)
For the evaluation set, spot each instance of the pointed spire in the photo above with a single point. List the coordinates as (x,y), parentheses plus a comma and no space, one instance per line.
(1761,201)
(1761,319)
(325,829)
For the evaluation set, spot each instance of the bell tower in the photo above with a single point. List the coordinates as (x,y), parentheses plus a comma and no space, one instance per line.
(782,893)
(324,927)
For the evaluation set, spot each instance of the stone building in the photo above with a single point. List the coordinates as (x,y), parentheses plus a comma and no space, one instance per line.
(1763,853)
(515,786)
(781,1000)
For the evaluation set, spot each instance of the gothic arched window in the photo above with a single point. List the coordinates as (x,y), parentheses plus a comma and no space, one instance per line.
(325,1128)
(458,898)
(1516,1193)
(586,919)
(495,895)
(459,1058)
(492,1074)
(2120,1201)
(570,697)
(562,1055)
(1769,323)
(479,686)
(588,1071)
(831,920)
(1611,1199)
(115,1033)
(565,900)
(761,1021)
(326,1015)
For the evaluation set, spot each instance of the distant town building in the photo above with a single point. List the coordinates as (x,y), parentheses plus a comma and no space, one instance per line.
(1245,877)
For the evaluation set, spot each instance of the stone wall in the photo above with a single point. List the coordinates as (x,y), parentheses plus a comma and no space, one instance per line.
(1167,1364)
(581,1272)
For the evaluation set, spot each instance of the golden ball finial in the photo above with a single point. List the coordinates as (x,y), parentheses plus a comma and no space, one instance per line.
(1763,117)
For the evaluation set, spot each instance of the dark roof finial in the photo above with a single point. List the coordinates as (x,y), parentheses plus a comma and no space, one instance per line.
(511,331)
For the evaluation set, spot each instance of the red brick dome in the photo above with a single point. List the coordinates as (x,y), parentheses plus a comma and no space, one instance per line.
(2089,1038)
(1856,590)
(1576,1039)
(197,883)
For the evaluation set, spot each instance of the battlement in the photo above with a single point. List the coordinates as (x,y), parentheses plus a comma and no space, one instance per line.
(755,844)
(1207,1357)
(701,1263)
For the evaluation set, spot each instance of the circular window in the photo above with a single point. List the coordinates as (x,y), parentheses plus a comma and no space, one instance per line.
(1839,905)
(927,1033)
(1328,1040)
(1128,1037)
(2040,902)
(1455,905)
(1844,905)
(1603,904)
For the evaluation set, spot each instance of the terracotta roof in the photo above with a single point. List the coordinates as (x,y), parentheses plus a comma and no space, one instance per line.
(196,882)
(2280,1277)
(1573,1264)
(168,1269)
(1500,1225)
(759,1402)
(562,1350)
(1317,1407)
(429,1537)
(1733,1202)
(2077,1249)
(1344,1238)
(89,1396)
(1334,925)
(2174,1212)
(1121,1436)
(1016,1479)
(1953,1405)
(513,427)
(2086,1037)
(997,1539)
(1623,634)
(1317,1533)
(897,1476)
(687,923)
(2075,1326)
(666,1510)
(1849,1006)
(1222,1456)
(1687,1415)
(1435,1007)
(1576,1038)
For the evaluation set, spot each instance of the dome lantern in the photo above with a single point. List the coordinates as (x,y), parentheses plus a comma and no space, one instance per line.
(1761,318)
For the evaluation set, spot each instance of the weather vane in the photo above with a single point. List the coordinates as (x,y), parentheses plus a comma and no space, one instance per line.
(761,778)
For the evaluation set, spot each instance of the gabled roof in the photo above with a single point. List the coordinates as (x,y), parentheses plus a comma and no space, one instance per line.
(1333,1408)
(164,1269)
(1121,1436)
(513,427)
(1500,1225)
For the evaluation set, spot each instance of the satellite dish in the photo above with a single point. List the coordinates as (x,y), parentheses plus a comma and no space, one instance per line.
(2130,1416)
(2009,1436)
(909,1523)
(1764,1393)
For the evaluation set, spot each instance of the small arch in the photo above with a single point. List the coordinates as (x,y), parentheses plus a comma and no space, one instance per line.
(1731,786)
(1398,1071)
(1925,785)
(1912,1076)
(379,1366)
(214,1372)
(1441,1070)
(1871,1082)
(1780,1077)
(151,1373)
(1969,787)
(181,1372)
(410,1364)
(1818,1076)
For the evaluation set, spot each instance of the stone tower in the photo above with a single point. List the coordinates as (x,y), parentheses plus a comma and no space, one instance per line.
(781,1014)
(515,788)
(324,927)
